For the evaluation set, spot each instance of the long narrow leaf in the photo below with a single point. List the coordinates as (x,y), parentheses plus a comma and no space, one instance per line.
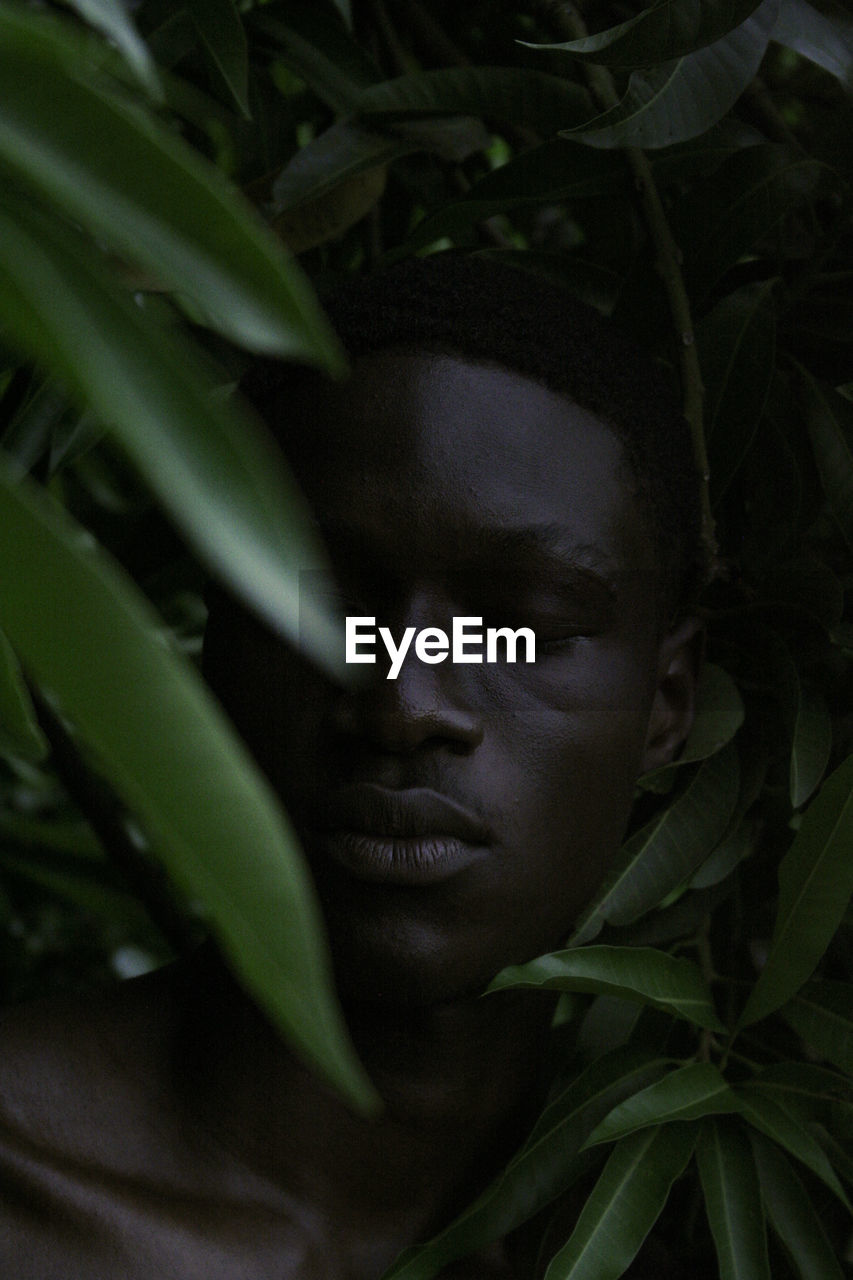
(689,1093)
(792,1214)
(111,18)
(218,477)
(514,94)
(667,850)
(683,98)
(172,757)
(815,884)
(625,1204)
(733,1202)
(667,29)
(137,186)
(221,30)
(20,734)
(822,1013)
(546,1165)
(824,40)
(775,1120)
(640,974)
(830,421)
(737,351)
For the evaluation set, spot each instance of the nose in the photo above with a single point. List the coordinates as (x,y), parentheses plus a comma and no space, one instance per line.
(426,703)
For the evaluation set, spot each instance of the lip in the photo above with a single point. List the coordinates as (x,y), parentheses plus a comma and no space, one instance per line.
(404,837)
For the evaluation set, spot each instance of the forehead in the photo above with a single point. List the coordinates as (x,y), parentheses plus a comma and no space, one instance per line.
(437,450)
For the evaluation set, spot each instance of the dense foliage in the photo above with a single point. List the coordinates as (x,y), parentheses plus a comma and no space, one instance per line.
(685,167)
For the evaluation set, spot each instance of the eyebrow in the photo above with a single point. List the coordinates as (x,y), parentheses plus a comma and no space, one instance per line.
(546,548)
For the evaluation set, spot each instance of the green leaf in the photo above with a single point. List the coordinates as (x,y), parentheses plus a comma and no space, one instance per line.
(555,171)
(640,974)
(20,734)
(720,220)
(688,1093)
(220,479)
(830,422)
(775,1120)
(661,855)
(737,352)
(684,98)
(805,1089)
(111,18)
(342,152)
(667,29)
(134,184)
(515,95)
(625,1204)
(314,43)
(221,30)
(815,884)
(824,40)
(719,714)
(822,1014)
(812,744)
(546,1165)
(792,1214)
(733,1202)
(736,846)
(172,757)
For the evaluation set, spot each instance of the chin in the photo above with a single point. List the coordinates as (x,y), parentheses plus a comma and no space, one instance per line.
(404,963)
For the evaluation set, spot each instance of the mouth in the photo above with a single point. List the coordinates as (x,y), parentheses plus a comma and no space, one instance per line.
(399,837)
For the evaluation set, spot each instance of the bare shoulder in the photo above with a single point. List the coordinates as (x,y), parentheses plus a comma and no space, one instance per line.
(70,1064)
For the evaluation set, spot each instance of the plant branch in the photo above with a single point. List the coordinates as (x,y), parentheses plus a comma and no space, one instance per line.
(568,25)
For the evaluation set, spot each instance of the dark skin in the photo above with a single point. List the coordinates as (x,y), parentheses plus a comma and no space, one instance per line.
(165,1130)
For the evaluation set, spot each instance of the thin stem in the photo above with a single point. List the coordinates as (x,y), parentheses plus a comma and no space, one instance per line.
(569,25)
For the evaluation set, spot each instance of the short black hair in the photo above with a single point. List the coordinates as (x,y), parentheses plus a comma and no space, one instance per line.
(483,310)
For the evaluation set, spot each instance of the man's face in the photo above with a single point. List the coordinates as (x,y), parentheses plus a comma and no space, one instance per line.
(458,818)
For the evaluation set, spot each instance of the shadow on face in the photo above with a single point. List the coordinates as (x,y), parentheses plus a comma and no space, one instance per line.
(458,817)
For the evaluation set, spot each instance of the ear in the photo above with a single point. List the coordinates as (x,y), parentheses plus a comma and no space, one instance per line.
(674,704)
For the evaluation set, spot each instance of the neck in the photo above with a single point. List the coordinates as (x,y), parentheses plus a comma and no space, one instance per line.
(461,1083)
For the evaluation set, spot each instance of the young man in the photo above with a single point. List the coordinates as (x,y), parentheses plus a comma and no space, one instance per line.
(496,454)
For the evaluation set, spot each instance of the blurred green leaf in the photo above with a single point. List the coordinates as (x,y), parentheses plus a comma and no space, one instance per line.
(625,1204)
(555,171)
(815,884)
(661,855)
(681,99)
(822,1013)
(314,43)
(172,757)
(666,29)
(812,744)
(830,422)
(133,183)
(775,1120)
(20,734)
(733,1201)
(824,39)
(348,148)
(688,1093)
(514,95)
(112,19)
(219,477)
(640,974)
(546,1165)
(737,352)
(221,30)
(792,1213)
